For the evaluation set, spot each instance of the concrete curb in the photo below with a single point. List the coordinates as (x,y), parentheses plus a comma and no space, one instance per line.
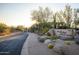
(25,50)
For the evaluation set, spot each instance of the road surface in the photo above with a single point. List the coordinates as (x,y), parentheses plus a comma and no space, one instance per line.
(13,45)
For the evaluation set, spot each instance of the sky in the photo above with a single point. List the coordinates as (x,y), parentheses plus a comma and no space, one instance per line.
(14,14)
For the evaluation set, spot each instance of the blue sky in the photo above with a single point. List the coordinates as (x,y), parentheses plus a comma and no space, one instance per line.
(19,13)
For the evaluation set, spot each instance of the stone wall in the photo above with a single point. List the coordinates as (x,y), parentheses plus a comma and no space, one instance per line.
(62,33)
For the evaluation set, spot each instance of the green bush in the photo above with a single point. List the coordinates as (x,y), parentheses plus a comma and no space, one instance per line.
(68,42)
(4,29)
(20,28)
(44,30)
(52,37)
(50,46)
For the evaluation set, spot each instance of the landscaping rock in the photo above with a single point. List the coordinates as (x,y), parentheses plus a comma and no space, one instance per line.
(68,42)
(51,32)
(48,41)
(42,38)
(72,49)
(59,44)
(77,39)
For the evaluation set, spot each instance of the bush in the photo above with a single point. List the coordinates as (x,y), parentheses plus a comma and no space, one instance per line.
(69,42)
(41,39)
(50,46)
(52,37)
(20,28)
(48,34)
(4,29)
(63,27)
(77,42)
(44,30)
(13,29)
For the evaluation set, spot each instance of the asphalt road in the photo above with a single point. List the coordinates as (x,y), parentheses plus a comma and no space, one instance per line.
(13,45)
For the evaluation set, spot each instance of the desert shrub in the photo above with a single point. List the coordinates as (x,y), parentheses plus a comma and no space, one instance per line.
(44,30)
(48,34)
(52,37)
(63,27)
(68,42)
(20,28)
(7,31)
(77,42)
(13,29)
(4,29)
(50,46)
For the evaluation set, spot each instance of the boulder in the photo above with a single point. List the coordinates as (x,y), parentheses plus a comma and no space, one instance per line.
(51,32)
(42,38)
(59,44)
(48,41)
(77,39)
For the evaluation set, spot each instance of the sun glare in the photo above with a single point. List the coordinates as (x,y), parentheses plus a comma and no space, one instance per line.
(29,23)
(24,22)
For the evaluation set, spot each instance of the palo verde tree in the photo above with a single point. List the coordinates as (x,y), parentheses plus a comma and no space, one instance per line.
(68,15)
(63,19)
(76,18)
(42,16)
